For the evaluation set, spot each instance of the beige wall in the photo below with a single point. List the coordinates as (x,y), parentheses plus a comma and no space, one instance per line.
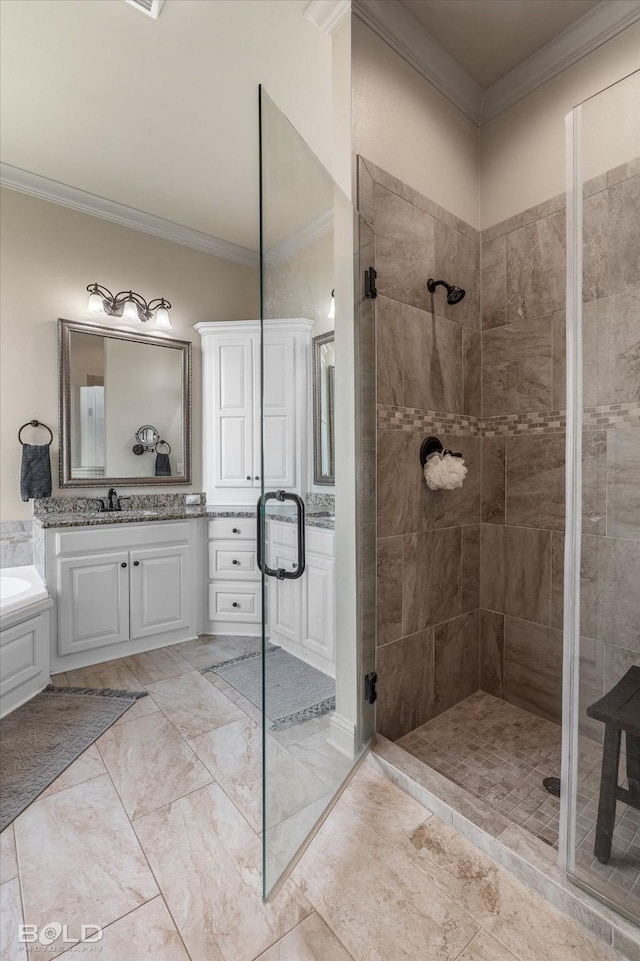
(403,124)
(49,255)
(522,151)
(483,175)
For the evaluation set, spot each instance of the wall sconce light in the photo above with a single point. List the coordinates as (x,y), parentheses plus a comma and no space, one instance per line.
(332,308)
(129,305)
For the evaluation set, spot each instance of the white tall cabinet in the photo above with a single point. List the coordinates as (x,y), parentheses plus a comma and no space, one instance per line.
(232,449)
(231,365)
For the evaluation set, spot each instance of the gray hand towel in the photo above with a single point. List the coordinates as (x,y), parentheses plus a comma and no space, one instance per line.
(35,471)
(163,465)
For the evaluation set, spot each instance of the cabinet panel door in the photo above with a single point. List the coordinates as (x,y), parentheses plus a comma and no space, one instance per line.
(233,420)
(285,597)
(160,590)
(93,604)
(319,626)
(279,411)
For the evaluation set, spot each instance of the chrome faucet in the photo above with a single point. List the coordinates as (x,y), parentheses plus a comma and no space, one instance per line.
(111,502)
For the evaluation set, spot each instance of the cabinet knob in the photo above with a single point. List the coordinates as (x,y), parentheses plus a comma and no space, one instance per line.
(124,564)
(235,530)
(248,476)
(136,563)
(235,604)
(256,477)
(235,561)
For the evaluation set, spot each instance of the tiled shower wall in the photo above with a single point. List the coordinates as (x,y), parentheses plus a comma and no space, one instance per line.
(523,448)
(470,582)
(428,382)
(523,455)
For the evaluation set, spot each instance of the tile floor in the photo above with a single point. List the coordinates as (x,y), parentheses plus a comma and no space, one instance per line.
(501,754)
(153,835)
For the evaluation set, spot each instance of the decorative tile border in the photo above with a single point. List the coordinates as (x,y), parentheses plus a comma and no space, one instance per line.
(533,422)
(609,417)
(410,418)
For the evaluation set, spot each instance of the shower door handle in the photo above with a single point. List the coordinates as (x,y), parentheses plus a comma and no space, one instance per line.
(280,572)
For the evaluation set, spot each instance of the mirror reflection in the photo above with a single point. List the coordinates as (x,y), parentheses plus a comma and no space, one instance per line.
(324,367)
(125,416)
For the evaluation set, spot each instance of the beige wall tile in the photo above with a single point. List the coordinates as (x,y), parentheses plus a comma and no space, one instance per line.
(533,667)
(405,689)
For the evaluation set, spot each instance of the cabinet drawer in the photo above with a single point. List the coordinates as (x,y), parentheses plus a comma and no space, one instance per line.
(320,541)
(233,528)
(235,603)
(317,541)
(283,533)
(236,561)
(121,536)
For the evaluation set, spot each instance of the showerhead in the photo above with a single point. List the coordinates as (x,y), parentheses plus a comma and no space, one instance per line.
(454,294)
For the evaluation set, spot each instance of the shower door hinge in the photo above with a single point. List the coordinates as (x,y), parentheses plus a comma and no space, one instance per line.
(370,283)
(370,681)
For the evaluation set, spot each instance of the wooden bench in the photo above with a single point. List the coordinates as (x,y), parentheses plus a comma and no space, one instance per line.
(619,711)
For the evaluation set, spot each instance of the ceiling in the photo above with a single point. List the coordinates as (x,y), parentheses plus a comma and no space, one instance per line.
(488,38)
(160,115)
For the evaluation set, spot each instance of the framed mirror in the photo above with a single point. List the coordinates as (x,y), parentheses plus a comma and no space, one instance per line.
(324,366)
(125,407)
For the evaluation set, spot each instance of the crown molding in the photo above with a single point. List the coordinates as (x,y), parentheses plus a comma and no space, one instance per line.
(327,14)
(600,24)
(28,183)
(395,25)
(309,234)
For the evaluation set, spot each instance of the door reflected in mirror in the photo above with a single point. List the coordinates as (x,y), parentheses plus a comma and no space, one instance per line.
(324,367)
(121,395)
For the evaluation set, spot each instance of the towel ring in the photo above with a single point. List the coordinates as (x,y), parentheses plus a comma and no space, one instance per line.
(166,444)
(35,423)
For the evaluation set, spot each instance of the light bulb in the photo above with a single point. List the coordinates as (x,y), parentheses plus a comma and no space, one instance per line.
(95,303)
(162,319)
(130,312)
(332,308)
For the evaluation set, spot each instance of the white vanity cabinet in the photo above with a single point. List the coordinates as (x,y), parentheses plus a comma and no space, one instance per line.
(232,399)
(301,616)
(121,590)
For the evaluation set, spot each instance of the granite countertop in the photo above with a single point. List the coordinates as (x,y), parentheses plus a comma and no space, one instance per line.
(94,518)
(62,519)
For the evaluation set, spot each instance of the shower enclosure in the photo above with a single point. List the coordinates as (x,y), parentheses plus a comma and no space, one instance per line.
(600,838)
(508,610)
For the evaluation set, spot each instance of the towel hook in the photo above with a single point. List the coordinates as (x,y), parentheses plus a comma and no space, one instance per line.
(166,444)
(35,423)
(433,445)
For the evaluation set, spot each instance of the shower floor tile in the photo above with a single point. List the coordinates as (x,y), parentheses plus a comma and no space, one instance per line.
(501,754)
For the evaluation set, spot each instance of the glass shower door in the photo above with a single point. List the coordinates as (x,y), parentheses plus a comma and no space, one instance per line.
(314,515)
(601,724)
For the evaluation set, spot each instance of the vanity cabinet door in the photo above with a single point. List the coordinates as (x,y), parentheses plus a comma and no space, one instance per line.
(160,578)
(279,412)
(319,630)
(93,601)
(285,597)
(233,414)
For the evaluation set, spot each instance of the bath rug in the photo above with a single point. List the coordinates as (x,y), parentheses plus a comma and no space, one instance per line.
(295,691)
(39,740)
